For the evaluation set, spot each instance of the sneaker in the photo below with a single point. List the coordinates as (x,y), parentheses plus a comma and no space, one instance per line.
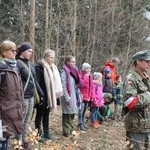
(81,127)
(86,126)
(95,124)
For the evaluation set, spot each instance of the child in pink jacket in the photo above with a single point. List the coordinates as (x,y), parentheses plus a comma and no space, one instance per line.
(87,90)
(99,100)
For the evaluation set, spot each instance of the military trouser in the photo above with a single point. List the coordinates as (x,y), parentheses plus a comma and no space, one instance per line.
(138,140)
(67,123)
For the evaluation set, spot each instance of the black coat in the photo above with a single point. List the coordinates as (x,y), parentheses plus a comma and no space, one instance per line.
(30,90)
(107,85)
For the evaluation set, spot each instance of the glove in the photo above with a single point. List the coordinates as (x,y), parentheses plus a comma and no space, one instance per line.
(131,102)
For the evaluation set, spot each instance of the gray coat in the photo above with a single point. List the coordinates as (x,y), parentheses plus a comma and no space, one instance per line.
(70,108)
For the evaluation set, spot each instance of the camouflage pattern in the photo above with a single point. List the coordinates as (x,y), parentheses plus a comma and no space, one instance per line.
(138,119)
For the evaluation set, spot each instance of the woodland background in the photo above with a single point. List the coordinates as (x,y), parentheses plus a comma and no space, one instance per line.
(92,30)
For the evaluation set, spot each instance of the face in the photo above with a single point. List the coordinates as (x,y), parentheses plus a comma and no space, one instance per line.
(87,71)
(26,54)
(9,54)
(143,65)
(50,58)
(99,78)
(72,62)
(115,63)
(119,79)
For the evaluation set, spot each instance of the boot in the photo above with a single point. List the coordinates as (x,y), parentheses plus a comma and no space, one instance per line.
(47,135)
(81,127)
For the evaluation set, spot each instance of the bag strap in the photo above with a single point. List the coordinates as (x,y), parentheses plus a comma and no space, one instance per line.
(30,73)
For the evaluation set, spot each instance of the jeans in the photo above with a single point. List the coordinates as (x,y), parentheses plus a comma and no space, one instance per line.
(82,111)
(28,110)
(94,111)
(4,144)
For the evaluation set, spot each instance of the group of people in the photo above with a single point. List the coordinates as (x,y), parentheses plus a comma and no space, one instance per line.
(25,86)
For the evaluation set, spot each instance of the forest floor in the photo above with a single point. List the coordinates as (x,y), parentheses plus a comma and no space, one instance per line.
(109,135)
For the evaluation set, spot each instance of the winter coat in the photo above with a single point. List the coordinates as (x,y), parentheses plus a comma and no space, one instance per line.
(11,101)
(30,90)
(69,102)
(107,85)
(87,87)
(99,100)
(113,70)
(118,93)
(138,118)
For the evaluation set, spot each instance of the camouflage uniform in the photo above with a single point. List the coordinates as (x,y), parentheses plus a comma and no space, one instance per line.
(137,121)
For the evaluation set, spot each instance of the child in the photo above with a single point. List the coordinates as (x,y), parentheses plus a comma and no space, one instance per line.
(104,111)
(87,90)
(118,95)
(107,82)
(99,100)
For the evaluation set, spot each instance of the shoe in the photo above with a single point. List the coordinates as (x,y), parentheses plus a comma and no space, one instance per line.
(66,134)
(98,121)
(86,126)
(47,135)
(81,127)
(42,140)
(95,124)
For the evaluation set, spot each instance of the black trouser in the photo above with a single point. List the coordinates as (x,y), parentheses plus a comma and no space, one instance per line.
(42,114)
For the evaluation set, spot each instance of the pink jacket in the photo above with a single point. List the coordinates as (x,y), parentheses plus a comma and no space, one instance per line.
(87,87)
(99,100)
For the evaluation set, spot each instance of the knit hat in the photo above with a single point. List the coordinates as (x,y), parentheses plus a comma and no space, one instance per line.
(85,66)
(107,70)
(23,48)
(97,75)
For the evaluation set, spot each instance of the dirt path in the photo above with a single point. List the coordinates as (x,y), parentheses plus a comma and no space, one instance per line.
(109,136)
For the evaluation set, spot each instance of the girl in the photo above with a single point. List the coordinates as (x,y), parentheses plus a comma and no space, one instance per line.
(99,100)
(87,90)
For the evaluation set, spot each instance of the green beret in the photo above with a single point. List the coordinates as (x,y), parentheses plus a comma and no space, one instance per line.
(143,55)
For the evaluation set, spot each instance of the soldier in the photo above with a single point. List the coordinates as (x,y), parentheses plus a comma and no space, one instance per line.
(137,101)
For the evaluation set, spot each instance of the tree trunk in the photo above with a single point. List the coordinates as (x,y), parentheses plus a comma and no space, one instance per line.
(46,24)
(32,25)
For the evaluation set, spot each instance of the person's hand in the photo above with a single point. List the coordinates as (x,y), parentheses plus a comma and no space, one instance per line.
(41,101)
(68,102)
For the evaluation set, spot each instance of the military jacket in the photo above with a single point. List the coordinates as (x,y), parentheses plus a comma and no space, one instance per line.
(137,119)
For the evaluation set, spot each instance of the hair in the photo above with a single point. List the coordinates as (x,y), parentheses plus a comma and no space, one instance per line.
(68,58)
(7,45)
(115,59)
(47,52)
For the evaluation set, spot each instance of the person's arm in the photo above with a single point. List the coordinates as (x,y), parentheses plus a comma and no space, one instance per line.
(37,78)
(132,97)
(64,84)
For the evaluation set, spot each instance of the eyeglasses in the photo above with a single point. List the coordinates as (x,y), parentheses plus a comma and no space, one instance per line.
(12,50)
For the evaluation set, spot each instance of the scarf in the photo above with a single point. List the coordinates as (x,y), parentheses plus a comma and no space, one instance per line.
(10,62)
(74,73)
(52,83)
